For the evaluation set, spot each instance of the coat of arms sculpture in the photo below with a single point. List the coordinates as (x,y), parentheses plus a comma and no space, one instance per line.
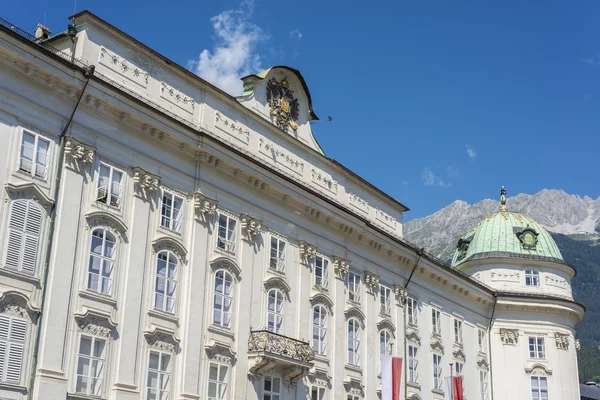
(285,109)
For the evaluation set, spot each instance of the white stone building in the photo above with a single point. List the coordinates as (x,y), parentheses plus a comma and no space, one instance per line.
(164,240)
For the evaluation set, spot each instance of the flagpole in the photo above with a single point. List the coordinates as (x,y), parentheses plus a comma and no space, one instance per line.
(451,381)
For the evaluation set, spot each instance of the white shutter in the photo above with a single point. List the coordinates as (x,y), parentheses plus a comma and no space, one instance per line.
(325,282)
(33,227)
(24,228)
(16,228)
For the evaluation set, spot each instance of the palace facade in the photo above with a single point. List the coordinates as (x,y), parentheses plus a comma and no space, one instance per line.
(164,240)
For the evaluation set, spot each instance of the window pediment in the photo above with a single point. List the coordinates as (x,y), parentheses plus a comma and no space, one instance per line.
(220,352)
(170,244)
(29,191)
(105,219)
(437,346)
(412,336)
(161,339)
(322,298)
(220,262)
(387,323)
(356,313)
(538,369)
(276,282)
(17,303)
(95,323)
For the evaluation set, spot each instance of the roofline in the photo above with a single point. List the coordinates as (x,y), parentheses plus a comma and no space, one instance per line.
(523,295)
(514,256)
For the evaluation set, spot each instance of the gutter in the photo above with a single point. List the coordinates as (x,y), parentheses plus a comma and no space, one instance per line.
(490,345)
(87,73)
(419,254)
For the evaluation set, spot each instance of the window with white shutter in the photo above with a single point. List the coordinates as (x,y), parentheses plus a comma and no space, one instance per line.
(13,335)
(23,236)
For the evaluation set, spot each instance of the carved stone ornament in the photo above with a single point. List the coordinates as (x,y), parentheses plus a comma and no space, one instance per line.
(172,245)
(285,108)
(319,377)
(77,152)
(354,387)
(562,340)
(341,267)
(102,219)
(251,227)
(204,206)
(538,369)
(307,252)
(14,307)
(482,363)
(145,183)
(412,336)
(220,353)
(437,346)
(372,282)
(509,336)
(459,355)
(161,340)
(577,345)
(94,323)
(401,294)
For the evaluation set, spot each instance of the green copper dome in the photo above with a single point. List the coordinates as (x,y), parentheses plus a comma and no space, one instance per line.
(506,234)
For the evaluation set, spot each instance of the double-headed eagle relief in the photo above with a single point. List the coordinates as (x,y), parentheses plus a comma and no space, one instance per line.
(284,107)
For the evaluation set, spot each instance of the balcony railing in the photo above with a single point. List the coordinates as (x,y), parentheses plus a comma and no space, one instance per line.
(279,345)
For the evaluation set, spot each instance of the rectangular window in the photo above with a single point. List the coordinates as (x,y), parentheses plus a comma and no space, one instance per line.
(539,388)
(171,212)
(226,233)
(481,342)
(159,375)
(90,366)
(385,299)
(321,272)
(217,381)
(317,393)
(34,155)
(13,334)
(436,323)
(458,368)
(109,185)
(353,397)
(413,364)
(532,278)
(353,286)
(277,259)
(411,310)
(458,331)
(536,347)
(271,388)
(437,371)
(483,384)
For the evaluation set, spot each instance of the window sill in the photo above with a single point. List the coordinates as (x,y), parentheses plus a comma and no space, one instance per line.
(435,335)
(412,325)
(104,207)
(437,391)
(385,315)
(276,271)
(221,331)
(224,252)
(353,302)
(13,273)
(169,231)
(321,288)
(81,396)
(163,315)
(15,387)
(322,358)
(22,174)
(414,385)
(102,298)
(354,368)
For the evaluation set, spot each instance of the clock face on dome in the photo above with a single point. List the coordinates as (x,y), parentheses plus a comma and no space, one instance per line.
(528,239)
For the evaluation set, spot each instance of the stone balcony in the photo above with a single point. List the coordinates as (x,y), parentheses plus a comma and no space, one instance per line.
(272,352)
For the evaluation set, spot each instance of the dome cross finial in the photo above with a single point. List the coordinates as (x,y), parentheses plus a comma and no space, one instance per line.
(502,199)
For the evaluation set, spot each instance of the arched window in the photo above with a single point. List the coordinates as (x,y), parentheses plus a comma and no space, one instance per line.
(223,298)
(102,261)
(353,341)
(274,310)
(385,342)
(320,329)
(166,282)
(24,230)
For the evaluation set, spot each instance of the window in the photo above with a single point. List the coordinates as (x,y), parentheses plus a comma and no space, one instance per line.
(353,397)
(353,286)
(536,347)
(109,186)
(90,366)
(34,155)
(532,278)
(24,231)
(217,381)
(483,384)
(159,375)
(226,233)
(275,311)
(223,299)
(539,388)
(411,307)
(166,282)
(271,388)
(13,334)
(458,368)
(481,342)
(277,260)
(413,364)
(353,342)
(321,271)
(458,331)
(385,296)
(437,371)
(171,212)
(320,329)
(317,393)
(436,325)
(102,260)
(385,342)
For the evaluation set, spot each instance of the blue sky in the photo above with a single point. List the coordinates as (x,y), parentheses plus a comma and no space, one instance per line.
(432,101)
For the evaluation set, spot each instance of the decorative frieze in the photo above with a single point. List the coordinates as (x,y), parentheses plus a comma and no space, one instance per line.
(77,153)
(234,130)
(307,252)
(204,206)
(94,323)
(509,336)
(341,267)
(161,340)
(372,282)
(280,156)
(220,353)
(177,98)
(324,180)
(562,340)
(251,227)
(13,307)
(386,220)
(539,370)
(123,67)
(144,182)
(555,281)
(509,276)
(358,203)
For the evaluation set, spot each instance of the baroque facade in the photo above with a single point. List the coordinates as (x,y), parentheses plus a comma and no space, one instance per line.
(164,240)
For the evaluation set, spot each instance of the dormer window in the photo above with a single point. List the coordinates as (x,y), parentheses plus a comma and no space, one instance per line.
(528,238)
(532,278)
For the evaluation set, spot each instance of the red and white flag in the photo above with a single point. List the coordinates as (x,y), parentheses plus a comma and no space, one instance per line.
(391,377)
(454,388)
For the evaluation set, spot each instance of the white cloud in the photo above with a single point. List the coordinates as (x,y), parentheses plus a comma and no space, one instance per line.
(471,152)
(234,54)
(296,34)
(453,172)
(430,179)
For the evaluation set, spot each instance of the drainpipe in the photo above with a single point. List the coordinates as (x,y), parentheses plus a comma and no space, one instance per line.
(419,254)
(490,344)
(87,73)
